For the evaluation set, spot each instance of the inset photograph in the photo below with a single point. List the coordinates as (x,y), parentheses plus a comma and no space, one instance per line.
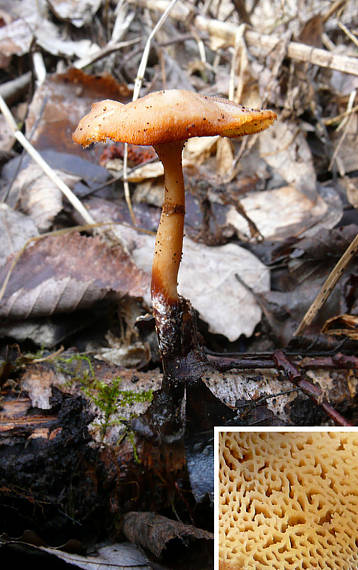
(287,500)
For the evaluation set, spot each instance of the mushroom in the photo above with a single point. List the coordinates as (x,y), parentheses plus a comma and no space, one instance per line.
(165,120)
(288,500)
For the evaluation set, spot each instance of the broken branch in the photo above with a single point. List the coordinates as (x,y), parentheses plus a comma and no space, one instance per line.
(314,392)
(244,361)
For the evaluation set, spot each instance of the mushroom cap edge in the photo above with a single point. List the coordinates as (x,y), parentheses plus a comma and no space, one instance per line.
(166,116)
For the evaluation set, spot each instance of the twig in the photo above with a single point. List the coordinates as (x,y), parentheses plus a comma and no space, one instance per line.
(252,404)
(201,46)
(337,5)
(14,88)
(36,156)
(337,118)
(39,67)
(328,286)
(247,361)
(103,52)
(348,33)
(116,43)
(227,31)
(137,86)
(20,161)
(238,46)
(314,392)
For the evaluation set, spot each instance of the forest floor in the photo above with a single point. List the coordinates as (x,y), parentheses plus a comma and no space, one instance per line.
(268,218)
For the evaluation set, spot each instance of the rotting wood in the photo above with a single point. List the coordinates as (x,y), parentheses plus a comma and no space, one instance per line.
(60,444)
(13,417)
(332,378)
(228,31)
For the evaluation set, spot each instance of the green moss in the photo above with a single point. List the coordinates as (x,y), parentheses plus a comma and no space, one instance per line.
(107,397)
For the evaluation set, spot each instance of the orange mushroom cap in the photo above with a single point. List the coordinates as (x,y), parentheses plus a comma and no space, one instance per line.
(164,116)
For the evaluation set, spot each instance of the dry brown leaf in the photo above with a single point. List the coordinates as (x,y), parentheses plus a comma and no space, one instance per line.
(351,186)
(312,31)
(345,143)
(56,108)
(198,149)
(224,156)
(39,196)
(7,138)
(30,22)
(286,150)
(75,11)
(346,325)
(15,39)
(111,557)
(285,212)
(207,279)
(15,230)
(63,273)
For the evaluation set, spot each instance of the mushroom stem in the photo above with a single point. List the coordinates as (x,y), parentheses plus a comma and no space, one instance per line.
(169,240)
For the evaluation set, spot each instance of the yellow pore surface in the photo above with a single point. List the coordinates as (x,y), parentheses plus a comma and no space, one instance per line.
(288,501)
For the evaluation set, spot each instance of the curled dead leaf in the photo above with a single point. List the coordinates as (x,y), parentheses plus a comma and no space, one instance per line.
(39,196)
(346,325)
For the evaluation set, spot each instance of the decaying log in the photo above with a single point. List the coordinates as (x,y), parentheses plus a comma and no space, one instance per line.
(61,475)
(155,533)
(65,463)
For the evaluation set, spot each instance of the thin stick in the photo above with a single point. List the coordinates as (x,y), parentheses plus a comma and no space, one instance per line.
(137,86)
(337,5)
(348,33)
(11,88)
(103,52)
(337,118)
(227,31)
(311,390)
(250,361)
(328,286)
(233,69)
(36,156)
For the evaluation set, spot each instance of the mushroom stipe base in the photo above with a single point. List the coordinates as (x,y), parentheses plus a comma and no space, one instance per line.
(176,327)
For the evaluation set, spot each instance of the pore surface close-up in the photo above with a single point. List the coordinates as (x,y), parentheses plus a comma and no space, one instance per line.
(288,500)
